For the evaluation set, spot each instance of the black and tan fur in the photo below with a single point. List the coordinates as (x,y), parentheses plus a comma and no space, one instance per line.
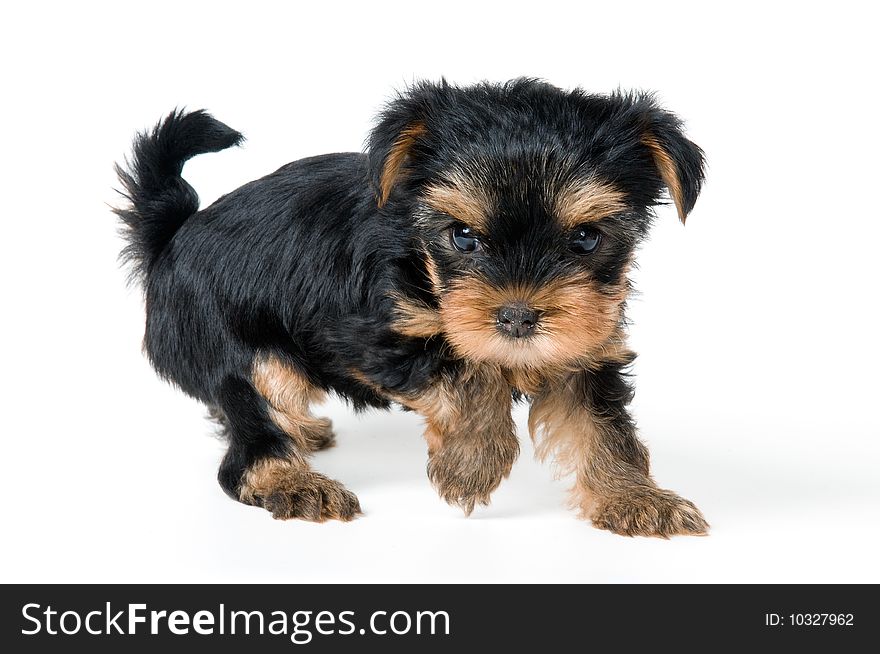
(475,256)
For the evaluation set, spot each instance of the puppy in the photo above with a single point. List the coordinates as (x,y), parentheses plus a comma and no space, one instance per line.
(476,255)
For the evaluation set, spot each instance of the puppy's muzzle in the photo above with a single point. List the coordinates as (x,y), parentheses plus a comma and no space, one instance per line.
(517,320)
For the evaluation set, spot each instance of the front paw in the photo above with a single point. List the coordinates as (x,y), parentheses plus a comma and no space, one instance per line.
(649,512)
(290,491)
(465,474)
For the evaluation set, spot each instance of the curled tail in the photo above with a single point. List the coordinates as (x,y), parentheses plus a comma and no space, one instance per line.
(160,199)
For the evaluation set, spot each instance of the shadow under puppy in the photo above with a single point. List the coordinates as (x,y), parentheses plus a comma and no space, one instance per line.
(477,254)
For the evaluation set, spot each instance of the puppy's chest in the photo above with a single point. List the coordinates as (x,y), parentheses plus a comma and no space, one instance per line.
(527,382)
(392,365)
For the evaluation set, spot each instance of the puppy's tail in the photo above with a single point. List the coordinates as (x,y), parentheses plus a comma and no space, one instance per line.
(160,200)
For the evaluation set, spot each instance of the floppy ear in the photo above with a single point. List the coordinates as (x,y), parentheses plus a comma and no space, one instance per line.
(679,161)
(395,140)
(390,162)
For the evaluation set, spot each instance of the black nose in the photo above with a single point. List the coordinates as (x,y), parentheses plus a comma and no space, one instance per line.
(517,320)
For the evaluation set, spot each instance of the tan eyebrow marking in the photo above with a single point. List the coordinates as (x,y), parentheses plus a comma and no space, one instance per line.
(461,200)
(588,201)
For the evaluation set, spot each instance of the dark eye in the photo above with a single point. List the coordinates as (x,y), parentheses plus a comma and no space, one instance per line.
(585,240)
(464,240)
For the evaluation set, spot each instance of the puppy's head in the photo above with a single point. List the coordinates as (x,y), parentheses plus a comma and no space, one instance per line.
(527,203)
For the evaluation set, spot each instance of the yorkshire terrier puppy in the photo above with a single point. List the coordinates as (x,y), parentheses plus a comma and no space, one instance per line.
(476,255)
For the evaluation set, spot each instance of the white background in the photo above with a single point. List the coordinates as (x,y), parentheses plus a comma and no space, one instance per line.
(756,324)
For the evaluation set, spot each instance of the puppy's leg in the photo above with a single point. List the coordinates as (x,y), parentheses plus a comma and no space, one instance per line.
(289,395)
(582,419)
(470,433)
(266,467)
